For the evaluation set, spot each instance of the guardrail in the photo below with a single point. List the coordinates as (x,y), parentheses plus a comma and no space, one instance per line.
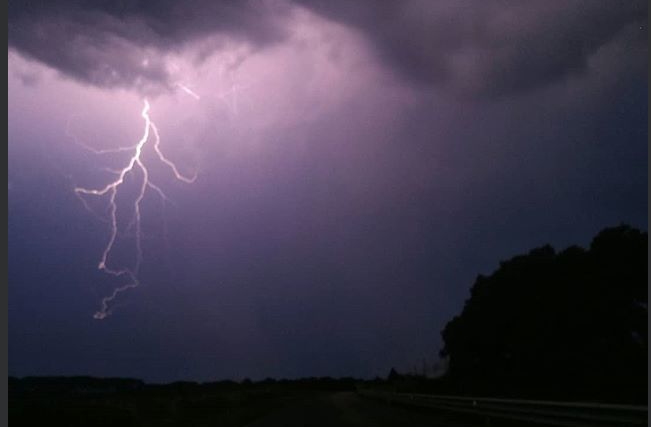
(569,414)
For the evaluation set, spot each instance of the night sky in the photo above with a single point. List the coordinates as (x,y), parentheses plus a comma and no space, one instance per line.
(358,165)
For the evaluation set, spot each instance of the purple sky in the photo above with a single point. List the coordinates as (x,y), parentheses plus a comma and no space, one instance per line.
(359,163)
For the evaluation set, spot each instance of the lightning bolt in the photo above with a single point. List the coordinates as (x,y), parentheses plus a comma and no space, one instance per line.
(112,189)
(189,91)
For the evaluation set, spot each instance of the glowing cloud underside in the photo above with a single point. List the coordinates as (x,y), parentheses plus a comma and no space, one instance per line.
(112,189)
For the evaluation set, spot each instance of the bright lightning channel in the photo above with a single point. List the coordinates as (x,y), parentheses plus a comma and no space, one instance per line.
(189,91)
(112,190)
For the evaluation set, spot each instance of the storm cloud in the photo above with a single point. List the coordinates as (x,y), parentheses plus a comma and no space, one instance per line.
(123,43)
(490,47)
(481,48)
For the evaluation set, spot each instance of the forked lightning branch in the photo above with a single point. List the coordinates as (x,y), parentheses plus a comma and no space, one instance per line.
(111,190)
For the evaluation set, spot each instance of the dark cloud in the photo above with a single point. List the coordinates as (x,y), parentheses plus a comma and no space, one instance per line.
(472,47)
(489,47)
(105,43)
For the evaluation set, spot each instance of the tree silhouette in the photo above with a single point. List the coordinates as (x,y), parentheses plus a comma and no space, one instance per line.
(568,325)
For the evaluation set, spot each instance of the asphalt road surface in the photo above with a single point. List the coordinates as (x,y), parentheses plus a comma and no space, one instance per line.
(347,409)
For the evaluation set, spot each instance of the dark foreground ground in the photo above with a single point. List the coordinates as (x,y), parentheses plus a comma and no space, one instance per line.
(348,409)
(322,409)
(97,403)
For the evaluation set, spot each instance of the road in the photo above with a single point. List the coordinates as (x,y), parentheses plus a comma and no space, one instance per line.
(347,409)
